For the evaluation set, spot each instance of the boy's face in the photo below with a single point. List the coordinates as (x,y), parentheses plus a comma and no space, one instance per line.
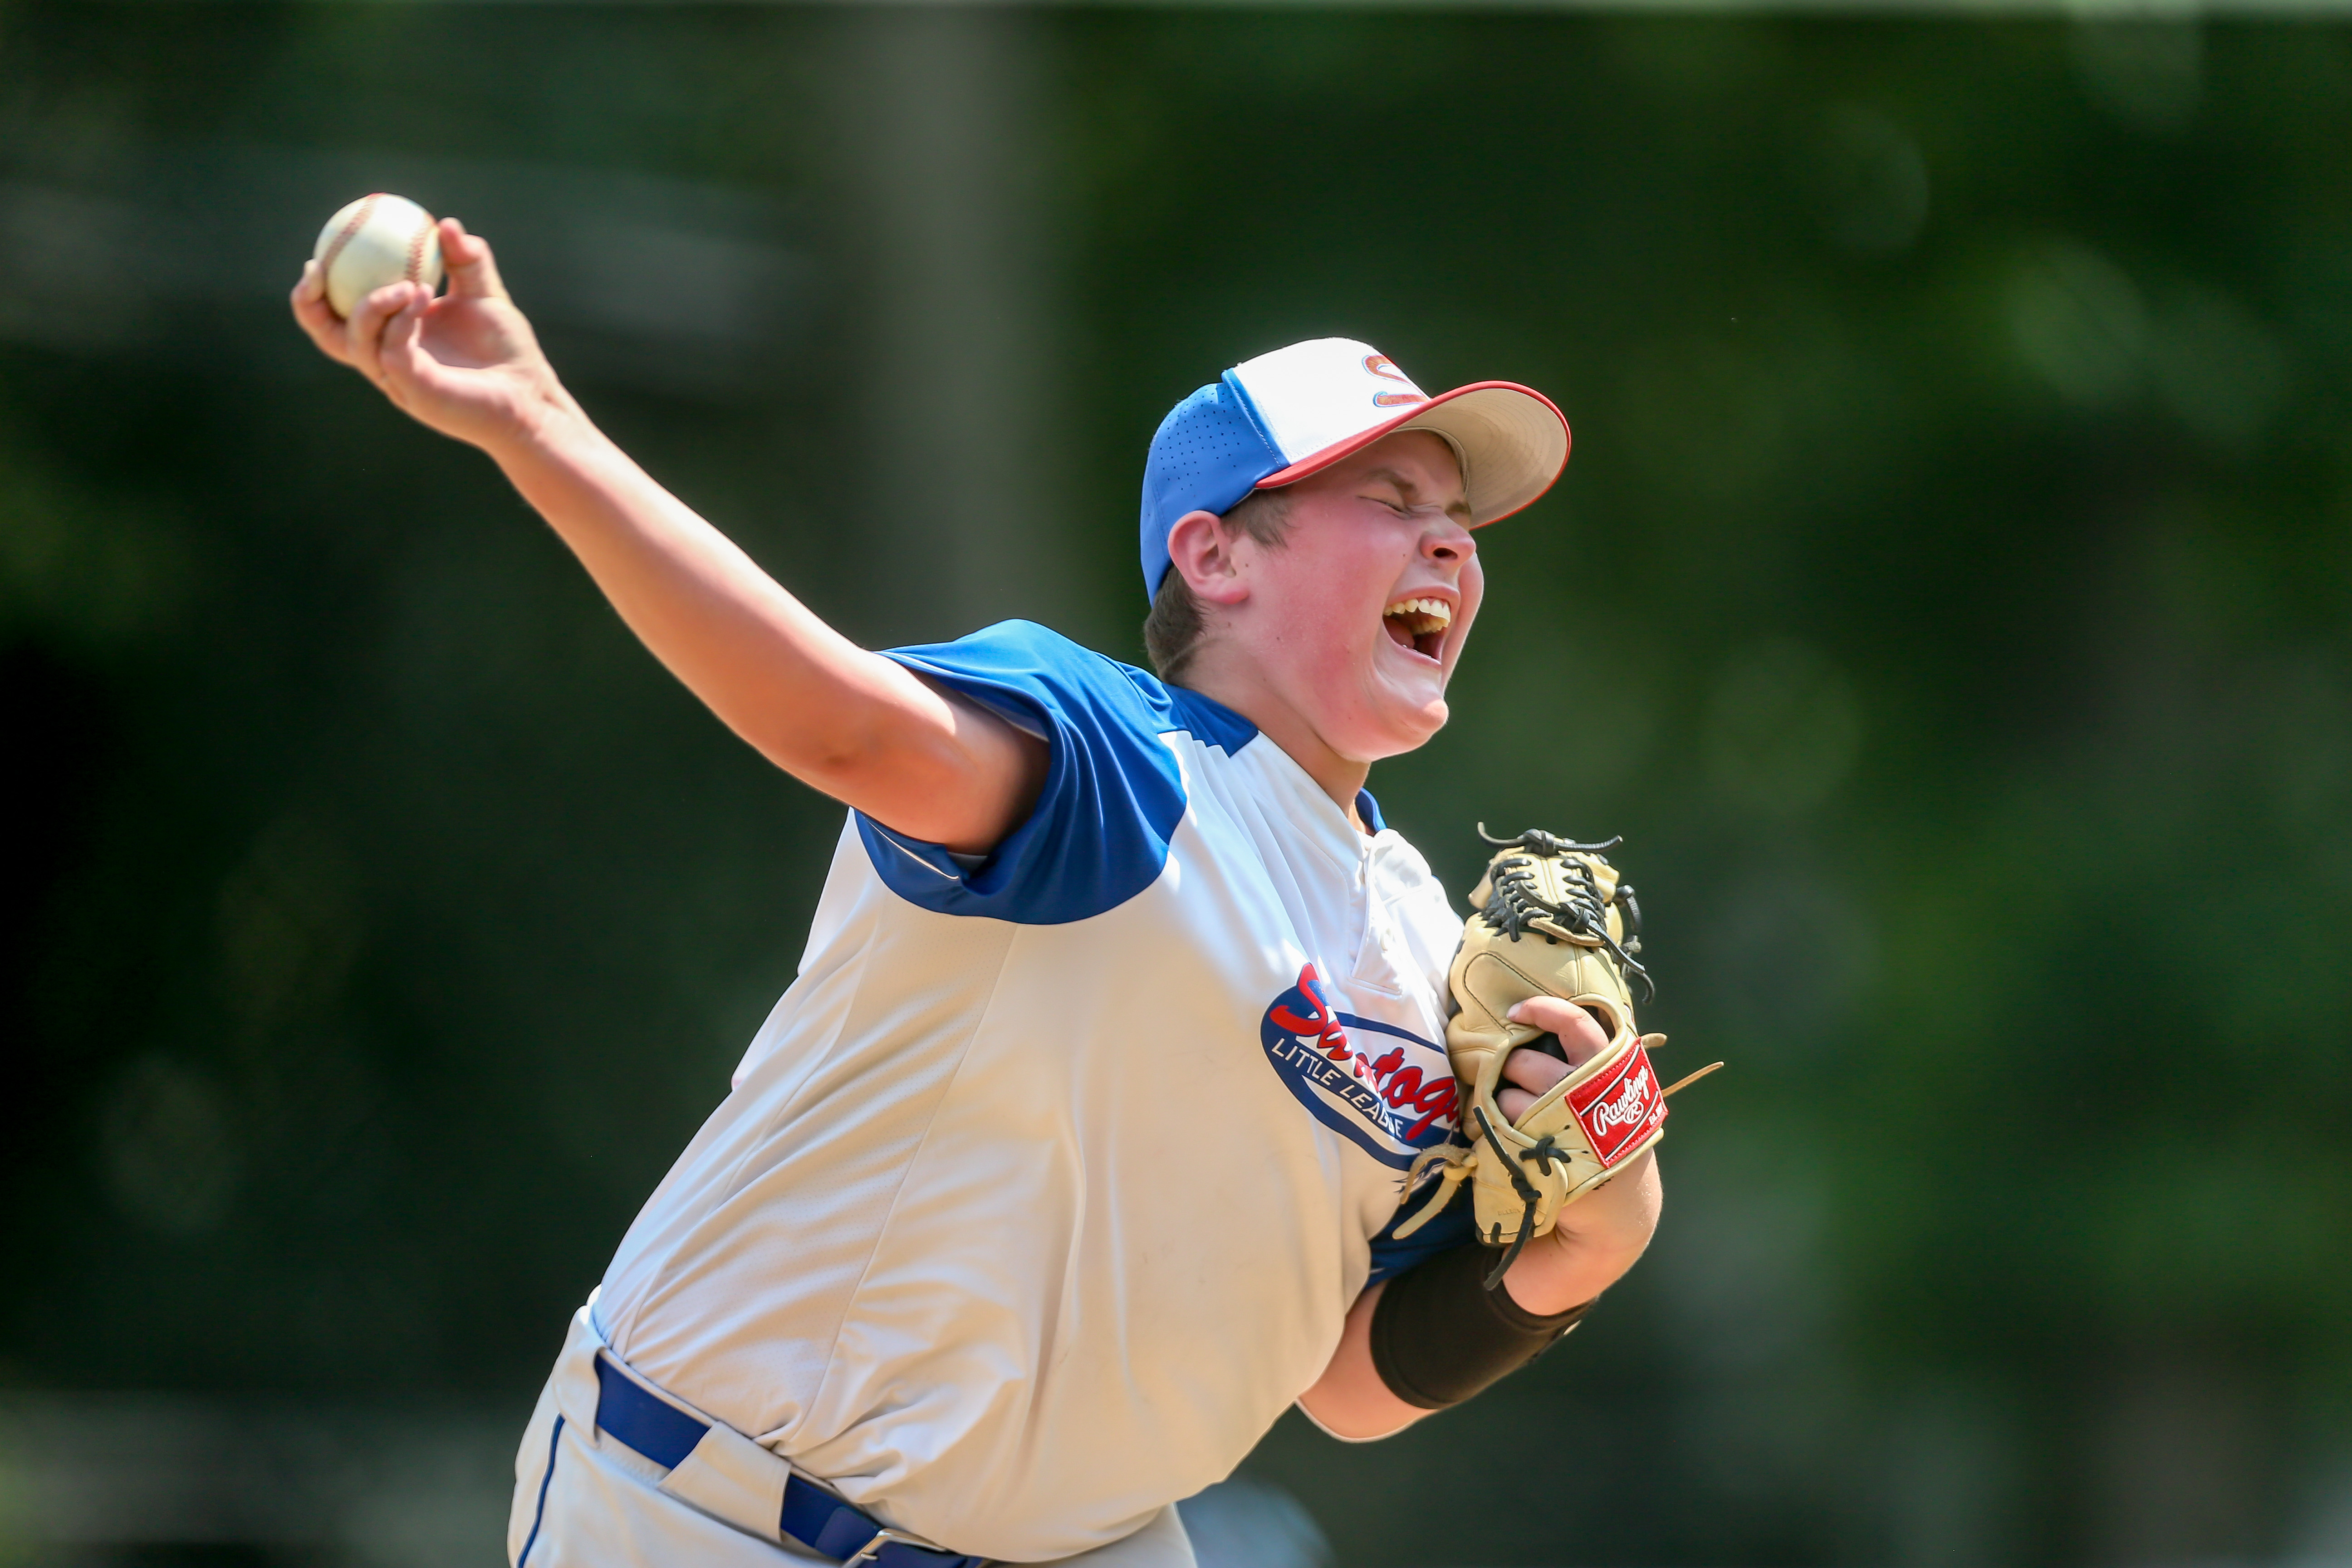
(1357,618)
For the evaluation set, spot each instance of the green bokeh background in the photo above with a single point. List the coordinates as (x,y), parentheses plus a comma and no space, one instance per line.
(1949,599)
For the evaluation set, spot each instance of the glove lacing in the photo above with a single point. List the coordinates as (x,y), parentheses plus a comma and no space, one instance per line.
(1543,1152)
(1540,1154)
(1512,901)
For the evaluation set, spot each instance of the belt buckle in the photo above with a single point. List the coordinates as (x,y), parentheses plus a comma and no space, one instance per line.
(883,1537)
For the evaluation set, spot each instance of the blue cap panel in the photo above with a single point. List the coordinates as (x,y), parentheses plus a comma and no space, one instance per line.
(1209,453)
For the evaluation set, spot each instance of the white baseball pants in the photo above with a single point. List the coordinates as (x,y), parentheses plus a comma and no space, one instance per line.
(583,1499)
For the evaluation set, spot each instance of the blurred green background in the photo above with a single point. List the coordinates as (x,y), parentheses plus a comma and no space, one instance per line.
(1950,600)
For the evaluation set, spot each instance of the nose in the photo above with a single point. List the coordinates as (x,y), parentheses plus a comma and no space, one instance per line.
(1448,544)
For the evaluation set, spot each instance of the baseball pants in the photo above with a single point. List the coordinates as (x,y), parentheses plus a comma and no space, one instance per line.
(583,1499)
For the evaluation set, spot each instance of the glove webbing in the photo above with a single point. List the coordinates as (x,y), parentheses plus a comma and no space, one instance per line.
(1513,901)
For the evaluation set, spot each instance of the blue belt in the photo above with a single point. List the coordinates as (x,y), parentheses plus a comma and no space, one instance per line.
(811,1516)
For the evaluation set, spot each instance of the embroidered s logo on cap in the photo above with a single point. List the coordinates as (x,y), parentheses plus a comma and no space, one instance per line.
(1385,367)
(1383,1088)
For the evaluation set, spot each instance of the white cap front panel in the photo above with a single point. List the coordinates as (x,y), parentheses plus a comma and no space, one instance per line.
(1318,394)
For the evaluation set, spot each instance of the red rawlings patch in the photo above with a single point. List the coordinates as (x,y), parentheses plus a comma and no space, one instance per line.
(1620,1109)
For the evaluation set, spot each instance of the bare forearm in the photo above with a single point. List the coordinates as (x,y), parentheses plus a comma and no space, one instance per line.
(842,720)
(720,624)
(1350,1399)
(853,725)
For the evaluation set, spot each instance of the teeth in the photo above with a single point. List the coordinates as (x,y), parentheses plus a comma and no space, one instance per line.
(1421,616)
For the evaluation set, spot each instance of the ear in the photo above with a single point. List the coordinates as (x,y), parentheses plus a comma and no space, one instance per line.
(1199,548)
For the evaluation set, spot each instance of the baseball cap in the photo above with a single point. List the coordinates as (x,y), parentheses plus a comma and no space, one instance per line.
(1283,416)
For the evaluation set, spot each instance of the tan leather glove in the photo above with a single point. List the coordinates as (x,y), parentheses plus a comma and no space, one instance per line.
(1553,920)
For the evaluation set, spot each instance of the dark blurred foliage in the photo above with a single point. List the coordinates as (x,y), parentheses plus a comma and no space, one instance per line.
(1949,599)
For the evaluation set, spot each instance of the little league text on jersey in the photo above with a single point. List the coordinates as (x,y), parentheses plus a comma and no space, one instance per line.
(1393,1105)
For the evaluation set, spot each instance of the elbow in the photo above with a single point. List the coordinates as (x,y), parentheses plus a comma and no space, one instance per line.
(1354,1423)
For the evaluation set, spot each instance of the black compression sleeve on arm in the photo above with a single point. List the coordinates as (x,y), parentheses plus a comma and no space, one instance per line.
(1439,1336)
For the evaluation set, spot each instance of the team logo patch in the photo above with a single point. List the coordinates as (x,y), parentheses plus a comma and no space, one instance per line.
(1620,1107)
(1385,368)
(1385,1089)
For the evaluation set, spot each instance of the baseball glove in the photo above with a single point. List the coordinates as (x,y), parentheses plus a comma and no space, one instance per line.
(1552,920)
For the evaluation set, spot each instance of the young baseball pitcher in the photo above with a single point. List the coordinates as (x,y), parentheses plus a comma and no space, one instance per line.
(1079,1149)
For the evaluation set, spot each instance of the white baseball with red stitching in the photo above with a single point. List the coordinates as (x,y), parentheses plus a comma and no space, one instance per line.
(377,239)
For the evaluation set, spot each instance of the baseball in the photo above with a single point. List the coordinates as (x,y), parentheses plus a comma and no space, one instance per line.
(378,239)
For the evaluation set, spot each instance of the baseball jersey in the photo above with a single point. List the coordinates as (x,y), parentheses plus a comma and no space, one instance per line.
(1046,1186)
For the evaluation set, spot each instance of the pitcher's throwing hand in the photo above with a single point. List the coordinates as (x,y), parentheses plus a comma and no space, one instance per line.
(466,363)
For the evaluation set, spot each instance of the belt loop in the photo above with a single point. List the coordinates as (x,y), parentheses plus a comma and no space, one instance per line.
(714,1468)
(872,1548)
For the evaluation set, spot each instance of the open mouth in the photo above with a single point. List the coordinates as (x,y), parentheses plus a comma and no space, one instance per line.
(1419,623)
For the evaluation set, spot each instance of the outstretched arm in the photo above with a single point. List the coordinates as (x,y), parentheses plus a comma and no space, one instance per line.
(849,722)
(1588,1248)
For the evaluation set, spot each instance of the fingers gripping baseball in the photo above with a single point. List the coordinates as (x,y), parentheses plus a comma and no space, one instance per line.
(363,334)
(316,320)
(409,376)
(466,364)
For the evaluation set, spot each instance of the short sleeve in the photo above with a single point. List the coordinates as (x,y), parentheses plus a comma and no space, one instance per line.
(1113,792)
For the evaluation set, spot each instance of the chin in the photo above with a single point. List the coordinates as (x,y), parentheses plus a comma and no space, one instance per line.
(1429,722)
(1394,733)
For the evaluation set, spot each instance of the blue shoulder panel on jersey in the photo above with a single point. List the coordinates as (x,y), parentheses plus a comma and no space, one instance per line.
(1204,718)
(1457,1227)
(1113,793)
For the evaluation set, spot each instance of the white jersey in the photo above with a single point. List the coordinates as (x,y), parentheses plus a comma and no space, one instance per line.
(1045,1187)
